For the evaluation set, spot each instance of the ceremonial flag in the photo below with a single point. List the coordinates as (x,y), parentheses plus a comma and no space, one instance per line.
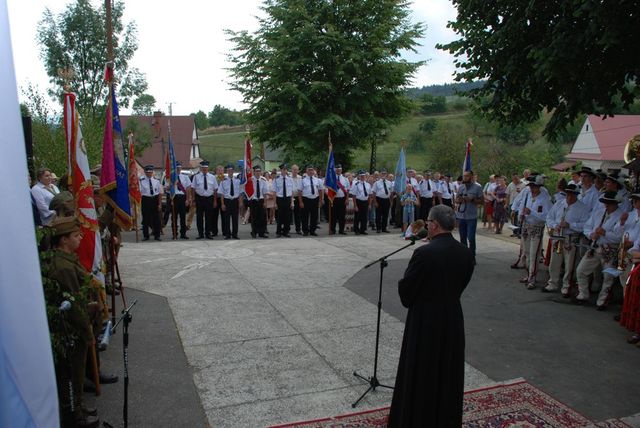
(170,168)
(466,166)
(28,392)
(90,250)
(401,173)
(114,179)
(134,183)
(247,167)
(331,180)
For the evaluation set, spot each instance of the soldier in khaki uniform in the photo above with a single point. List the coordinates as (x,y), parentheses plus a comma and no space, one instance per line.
(71,277)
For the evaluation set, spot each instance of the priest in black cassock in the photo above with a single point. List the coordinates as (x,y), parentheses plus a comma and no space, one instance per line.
(430,381)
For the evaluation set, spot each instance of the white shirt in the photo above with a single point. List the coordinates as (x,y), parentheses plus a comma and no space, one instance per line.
(361,190)
(309,191)
(185,181)
(379,188)
(198,184)
(341,179)
(631,226)
(590,197)
(576,215)
(147,183)
(426,188)
(43,196)
(611,236)
(260,183)
(225,188)
(277,186)
(445,189)
(539,206)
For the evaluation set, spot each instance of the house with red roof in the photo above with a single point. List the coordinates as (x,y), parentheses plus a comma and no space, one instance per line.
(601,142)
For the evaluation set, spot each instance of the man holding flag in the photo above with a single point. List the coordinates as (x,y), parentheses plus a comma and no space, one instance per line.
(340,200)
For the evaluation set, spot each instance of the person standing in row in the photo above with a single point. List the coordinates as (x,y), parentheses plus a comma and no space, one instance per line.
(182,199)
(382,193)
(257,204)
(151,207)
(204,187)
(310,199)
(284,189)
(230,189)
(469,196)
(361,193)
(297,187)
(426,189)
(446,190)
(340,202)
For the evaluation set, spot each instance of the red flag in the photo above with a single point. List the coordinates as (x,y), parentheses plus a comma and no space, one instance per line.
(167,168)
(134,182)
(248,169)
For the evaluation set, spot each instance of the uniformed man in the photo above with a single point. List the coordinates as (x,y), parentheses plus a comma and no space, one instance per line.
(151,206)
(339,202)
(382,192)
(603,254)
(566,220)
(310,199)
(535,211)
(284,189)
(446,190)
(297,187)
(361,193)
(426,189)
(70,276)
(217,216)
(182,199)
(256,204)
(230,189)
(204,187)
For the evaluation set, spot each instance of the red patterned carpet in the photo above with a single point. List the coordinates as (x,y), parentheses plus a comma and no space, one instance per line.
(517,404)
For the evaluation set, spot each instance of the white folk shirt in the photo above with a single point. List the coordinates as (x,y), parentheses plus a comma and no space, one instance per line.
(198,184)
(277,186)
(306,187)
(145,186)
(611,236)
(344,181)
(426,188)
(260,183)
(576,215)
(539,206)
(185,182)
(379,188)
(225,188)
(361,190)
(590,197)
(624,196)
(631,226)
(43,196)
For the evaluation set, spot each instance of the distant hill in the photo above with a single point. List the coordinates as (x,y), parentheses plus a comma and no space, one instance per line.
(446,89)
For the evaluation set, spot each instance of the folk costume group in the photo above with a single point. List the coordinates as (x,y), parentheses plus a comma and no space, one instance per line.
(593,226)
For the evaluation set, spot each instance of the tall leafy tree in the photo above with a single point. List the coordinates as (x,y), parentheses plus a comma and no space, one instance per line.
(320,66)
(144,105)
(570,57)
(201,120)
(76,39)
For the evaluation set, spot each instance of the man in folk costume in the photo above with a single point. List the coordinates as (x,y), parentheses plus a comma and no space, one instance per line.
(535,212)
(603,253)
(615,183)
(629,227)
(340,202)
(590,194)
(382,193)
(151,191)
(256,204)
(566,220)
(429,383)
(361,193)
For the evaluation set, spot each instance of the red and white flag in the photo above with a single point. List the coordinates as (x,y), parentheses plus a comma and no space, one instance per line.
(90,250)
(248,169)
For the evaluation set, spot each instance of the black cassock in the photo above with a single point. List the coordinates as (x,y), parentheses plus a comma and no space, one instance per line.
(430,379)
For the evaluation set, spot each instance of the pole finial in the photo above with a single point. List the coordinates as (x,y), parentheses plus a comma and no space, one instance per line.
(66,74)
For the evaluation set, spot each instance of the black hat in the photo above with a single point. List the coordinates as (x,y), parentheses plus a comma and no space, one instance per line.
(447,174)
(536,180)
(610,196)
(587,170)
(178,165)
(572,188)
(257,168)
(426,172)
(618,180)
(204,164)
(362,172)
(338,165)
(601,175)
(283,166)
(148,168)
(309,166)
(383,171)
(229,166)
(635,196)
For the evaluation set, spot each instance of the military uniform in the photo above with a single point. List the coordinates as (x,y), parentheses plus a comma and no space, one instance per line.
(230,190)
(204,186)
(426,189)
(310,193)
(361,193)
(382,191)
(284,189)
(151,192)
(256,207)
(340,204)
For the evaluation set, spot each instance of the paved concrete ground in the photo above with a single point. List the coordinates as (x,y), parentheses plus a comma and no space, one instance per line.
(271,333)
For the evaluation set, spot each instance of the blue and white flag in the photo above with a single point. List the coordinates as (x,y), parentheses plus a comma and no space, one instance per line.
(400,182)
(28,393)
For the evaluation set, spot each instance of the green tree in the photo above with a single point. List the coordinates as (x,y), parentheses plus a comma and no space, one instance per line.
(430,104)
(220,116)
(144,105)
(570,57)
(142,132)
(321,66)
(76,40)
(201,120)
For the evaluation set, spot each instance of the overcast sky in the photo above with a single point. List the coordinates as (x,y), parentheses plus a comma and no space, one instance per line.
(182,47)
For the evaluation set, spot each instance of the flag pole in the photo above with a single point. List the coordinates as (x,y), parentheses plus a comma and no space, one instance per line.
(330,200)
(174,225)
(135,204)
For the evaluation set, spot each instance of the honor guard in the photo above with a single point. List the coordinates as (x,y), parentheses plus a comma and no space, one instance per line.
(310,199)
(230,189)
(256,204)
(204,186)
(151,192)
(340,202)
(382,192)
(603,250)
(535,214)
(182,199)
(425,189)
(566,221)
(284,189)
(361,194)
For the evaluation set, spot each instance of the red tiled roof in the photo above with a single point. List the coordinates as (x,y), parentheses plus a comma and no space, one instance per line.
(613,133)
(182,129)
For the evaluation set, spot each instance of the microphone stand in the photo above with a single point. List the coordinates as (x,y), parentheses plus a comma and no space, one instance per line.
(373,380)
(126,319)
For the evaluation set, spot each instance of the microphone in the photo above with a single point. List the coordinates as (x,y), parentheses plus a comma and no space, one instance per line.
(64,306)
(104,341)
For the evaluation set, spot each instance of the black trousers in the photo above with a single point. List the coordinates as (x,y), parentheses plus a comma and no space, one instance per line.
(215,215)
(283,224)
(297,215)
(382,214)
(425,206)
(230,218)
(338,214)
(150,216)
(204,215)
(447,202)
(258,217)
(361,217)
(309,215)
